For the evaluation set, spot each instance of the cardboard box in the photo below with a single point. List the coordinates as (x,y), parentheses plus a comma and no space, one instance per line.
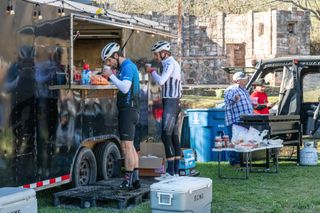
(188,172)
(188,161)
(151,172)
(188,153)
(152,159)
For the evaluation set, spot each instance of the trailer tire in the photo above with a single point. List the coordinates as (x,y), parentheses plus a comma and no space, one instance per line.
(108,160)
(85,168)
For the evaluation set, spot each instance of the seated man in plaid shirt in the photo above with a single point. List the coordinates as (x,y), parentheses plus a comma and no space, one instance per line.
(237,102)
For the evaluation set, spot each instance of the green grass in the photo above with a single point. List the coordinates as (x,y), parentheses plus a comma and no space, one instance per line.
(294,189)
(195,101)
(311,96)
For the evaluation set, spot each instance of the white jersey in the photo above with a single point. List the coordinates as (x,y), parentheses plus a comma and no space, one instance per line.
(170,78)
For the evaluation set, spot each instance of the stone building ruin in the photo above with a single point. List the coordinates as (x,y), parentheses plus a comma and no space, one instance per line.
(211,43)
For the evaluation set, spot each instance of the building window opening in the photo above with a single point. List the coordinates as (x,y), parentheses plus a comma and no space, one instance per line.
(291,28)
(261,29)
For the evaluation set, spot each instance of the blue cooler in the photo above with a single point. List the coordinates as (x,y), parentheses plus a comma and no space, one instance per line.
(205,125)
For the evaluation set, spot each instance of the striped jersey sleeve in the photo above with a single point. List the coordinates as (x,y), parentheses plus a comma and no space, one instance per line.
(170,79)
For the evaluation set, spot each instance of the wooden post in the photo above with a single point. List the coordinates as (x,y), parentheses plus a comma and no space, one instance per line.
(180,31)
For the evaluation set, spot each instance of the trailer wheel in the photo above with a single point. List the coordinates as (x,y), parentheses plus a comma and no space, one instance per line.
(85,168)
(108,160)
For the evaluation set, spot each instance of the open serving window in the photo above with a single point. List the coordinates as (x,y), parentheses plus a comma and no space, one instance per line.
(66,43)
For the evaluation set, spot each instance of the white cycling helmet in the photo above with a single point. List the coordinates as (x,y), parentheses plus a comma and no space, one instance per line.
(109,49)
(160,45)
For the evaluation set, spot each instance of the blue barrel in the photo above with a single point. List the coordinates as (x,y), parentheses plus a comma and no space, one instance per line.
(205,125)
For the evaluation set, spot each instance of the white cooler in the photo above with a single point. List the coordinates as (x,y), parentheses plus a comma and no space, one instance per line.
(182,194)
(20,200)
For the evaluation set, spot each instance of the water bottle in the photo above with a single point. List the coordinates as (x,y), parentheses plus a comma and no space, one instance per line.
(85,76)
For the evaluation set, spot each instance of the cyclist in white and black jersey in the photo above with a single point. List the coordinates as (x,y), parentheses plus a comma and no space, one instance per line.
(170,81)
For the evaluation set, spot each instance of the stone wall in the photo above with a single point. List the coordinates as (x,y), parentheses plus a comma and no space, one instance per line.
(263,29)
(202,48)
(298,40)
(205,40)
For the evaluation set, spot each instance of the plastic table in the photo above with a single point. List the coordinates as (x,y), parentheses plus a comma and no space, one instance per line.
(248,158)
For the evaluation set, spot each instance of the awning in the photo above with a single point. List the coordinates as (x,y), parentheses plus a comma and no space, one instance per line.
(110,18)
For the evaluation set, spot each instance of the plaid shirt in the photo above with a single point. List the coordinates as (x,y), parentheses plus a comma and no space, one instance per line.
(235,108)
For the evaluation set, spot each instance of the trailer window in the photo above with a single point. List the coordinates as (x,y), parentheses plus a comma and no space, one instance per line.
(311,87)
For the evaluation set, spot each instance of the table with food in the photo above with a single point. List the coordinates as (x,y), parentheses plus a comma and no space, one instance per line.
(246,142)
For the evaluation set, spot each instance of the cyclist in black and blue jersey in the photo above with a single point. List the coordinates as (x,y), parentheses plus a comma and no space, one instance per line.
(128,103)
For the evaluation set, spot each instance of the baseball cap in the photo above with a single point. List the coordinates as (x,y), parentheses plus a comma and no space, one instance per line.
(238,76)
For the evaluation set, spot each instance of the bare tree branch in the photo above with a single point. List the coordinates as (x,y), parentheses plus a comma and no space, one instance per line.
(305,6)
(209,8)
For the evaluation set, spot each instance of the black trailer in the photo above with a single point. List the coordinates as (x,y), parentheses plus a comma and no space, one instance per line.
(53,130)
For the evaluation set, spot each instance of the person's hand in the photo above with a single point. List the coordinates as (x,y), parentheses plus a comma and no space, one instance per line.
(150,69)
(269,105)
(260,106)
(107,72)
